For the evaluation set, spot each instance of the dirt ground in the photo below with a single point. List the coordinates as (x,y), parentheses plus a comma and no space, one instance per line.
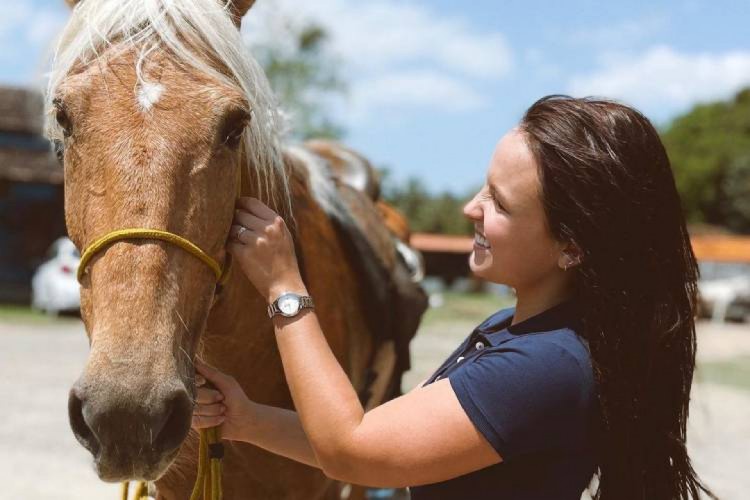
(40,459)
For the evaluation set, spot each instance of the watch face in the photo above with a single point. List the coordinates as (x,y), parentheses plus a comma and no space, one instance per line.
(289,304)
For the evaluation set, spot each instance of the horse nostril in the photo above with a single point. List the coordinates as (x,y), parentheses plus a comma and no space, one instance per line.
(176,422)
(81,429)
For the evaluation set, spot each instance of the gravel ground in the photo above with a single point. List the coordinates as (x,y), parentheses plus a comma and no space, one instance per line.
(40,459)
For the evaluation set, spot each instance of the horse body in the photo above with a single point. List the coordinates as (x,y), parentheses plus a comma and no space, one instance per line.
(153,121)
(239,338)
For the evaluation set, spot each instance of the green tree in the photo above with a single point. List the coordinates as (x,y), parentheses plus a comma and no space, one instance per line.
(710,152)
(305,79)
(441,213)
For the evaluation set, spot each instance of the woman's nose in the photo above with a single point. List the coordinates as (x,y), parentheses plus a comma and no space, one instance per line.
(472,210)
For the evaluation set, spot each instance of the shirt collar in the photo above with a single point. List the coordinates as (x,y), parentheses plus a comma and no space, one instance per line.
(563,315)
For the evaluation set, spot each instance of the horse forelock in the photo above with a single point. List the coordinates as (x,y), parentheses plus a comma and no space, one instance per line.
(200,34)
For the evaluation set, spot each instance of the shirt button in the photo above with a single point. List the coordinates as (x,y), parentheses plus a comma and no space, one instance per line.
(460,358)
(479,346)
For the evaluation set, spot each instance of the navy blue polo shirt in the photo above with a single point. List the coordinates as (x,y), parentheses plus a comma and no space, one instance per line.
(529,389)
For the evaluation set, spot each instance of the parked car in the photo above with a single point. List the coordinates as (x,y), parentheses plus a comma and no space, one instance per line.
(54,287)
(725,299)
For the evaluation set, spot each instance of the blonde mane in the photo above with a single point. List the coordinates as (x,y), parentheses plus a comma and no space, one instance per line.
(196,32)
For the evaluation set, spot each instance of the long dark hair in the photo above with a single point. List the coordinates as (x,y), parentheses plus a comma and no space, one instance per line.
(607,186)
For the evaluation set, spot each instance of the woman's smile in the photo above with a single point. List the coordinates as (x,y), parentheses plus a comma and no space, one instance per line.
(480,241)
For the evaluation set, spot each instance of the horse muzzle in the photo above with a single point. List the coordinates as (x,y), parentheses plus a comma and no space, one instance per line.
(132,435)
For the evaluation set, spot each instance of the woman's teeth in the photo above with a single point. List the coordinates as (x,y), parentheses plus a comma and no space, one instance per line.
(479,240)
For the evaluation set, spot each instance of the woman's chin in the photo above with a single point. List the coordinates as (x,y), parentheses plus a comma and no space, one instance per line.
(480,261)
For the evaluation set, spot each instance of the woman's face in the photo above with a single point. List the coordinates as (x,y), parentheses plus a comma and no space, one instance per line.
(512,243)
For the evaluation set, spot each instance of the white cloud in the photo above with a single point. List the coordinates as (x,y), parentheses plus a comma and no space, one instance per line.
(376,41)
(47,25)
(27,30)
(413,89)
(622,33)
(26,23)
(662,80)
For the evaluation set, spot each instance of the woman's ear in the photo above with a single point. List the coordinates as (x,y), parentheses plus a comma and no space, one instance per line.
(570,256)
(239,8)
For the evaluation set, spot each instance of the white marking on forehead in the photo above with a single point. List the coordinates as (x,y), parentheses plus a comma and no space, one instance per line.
(149,94)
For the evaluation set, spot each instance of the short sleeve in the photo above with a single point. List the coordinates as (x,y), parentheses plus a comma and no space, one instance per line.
(526,396)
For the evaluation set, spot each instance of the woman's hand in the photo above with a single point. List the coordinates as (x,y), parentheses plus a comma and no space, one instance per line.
(262,245)
(227,405)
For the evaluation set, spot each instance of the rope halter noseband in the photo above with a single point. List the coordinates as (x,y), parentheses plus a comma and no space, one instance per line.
(152,234)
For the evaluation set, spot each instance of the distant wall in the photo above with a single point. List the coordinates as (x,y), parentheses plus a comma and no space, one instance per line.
(31,192)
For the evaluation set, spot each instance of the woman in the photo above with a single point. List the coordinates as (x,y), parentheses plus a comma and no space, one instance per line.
(589,373)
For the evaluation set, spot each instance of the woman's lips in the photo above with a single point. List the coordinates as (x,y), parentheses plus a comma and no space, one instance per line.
(481,242)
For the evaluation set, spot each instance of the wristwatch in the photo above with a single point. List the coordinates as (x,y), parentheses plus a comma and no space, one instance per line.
(289,304)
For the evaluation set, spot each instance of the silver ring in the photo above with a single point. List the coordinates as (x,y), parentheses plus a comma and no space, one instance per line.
(240,231)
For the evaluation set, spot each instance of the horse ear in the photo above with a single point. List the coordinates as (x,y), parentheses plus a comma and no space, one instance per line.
(239,8)
(72,3)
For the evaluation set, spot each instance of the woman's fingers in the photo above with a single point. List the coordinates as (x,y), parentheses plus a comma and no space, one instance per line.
(205,395)
(256,207)
(221,380)
(211,410)
(250,221)
(204,422)
(243,237)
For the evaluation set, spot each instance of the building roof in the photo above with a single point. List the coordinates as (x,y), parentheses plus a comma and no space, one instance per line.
(441,243)
(720,248)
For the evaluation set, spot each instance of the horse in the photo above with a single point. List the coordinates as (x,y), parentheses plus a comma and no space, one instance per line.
(161,119)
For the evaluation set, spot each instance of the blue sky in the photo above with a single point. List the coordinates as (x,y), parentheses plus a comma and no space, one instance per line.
(434,83)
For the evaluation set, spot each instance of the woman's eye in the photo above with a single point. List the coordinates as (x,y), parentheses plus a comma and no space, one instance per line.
(490,197)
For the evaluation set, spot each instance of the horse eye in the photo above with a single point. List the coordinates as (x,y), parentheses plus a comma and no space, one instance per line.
(234,127)
(63,120)
(232,140)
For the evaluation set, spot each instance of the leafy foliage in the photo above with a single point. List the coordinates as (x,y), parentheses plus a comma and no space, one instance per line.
(710,152)
(427,213)
(305,78)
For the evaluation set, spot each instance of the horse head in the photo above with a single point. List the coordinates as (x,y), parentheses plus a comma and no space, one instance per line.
(154,109)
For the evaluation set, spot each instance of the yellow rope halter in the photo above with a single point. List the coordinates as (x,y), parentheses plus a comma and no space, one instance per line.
(151,234)
(210,454)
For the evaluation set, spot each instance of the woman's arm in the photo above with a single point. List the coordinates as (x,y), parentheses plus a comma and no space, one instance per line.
(422,437)
(279,431)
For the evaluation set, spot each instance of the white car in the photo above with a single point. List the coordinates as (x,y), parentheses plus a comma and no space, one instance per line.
(54,287)
(725,299)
